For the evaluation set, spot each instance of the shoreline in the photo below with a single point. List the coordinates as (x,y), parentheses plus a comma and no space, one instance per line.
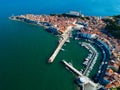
(91,29)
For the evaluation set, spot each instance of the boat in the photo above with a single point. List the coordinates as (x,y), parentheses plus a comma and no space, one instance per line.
(76,38)
(85,63)
(86,59)
(68,41)
(60,40)
(70,63)
(81,71)
(79,43)
(62,49)
(67,68)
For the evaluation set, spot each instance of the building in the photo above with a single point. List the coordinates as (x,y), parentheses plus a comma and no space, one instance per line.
(73,13)
(52,30)
(109,72)
(89,36)
(78,27)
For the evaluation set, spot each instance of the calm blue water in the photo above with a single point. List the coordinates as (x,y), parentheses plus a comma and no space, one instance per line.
(88,7)
(24,52)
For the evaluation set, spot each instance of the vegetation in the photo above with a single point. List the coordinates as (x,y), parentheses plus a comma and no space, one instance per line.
(118,16)
(64,15)
(113,26)
(119,70)
(116,88)
(67,15)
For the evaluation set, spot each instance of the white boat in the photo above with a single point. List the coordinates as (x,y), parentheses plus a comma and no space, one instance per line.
(60,40)
(85,63)
(79,43)
(70,63)
(68,41)
(62,49)
(86,59)
(76,38)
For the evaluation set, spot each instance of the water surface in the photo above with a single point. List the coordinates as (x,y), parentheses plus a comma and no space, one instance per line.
(25,48)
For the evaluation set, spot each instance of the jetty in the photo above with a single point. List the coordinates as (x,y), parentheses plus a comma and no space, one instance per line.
(92,59)
(65,37)
(87,80)
(72,68)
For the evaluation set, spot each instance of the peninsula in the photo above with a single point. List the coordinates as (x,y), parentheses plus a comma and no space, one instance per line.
(93,29)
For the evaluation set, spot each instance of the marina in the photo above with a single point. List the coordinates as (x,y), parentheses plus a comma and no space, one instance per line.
(26,48)
(86,79)
(63,25)
(61,43)
(91,59)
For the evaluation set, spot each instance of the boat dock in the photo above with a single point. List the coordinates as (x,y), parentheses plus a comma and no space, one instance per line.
(91,60)
(79,74)
(72,68)
(61,43)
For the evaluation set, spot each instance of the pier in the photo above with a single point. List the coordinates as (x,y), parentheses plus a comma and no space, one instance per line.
(91,60)
(89,64)
(72,68)
(88,81)
(65,37)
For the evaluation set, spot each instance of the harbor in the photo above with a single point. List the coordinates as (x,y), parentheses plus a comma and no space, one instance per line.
(88,28)
(86,79)
(65,37)
(25,48)
(91,59)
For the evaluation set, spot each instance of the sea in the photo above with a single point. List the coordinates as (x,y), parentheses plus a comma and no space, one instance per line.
(25,48)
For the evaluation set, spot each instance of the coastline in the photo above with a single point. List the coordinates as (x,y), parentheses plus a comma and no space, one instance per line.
(27,22)
(86,34)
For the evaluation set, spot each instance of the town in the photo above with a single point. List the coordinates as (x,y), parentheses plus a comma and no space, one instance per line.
(90,27)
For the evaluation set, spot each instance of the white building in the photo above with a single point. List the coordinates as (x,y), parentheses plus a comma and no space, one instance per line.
(74,13)
(90,36)
(78,27)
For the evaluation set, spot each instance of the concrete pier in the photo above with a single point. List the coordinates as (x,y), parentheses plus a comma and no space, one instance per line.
(72,68)
(65,37)
(88,81)
(88,66)
(91,59)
